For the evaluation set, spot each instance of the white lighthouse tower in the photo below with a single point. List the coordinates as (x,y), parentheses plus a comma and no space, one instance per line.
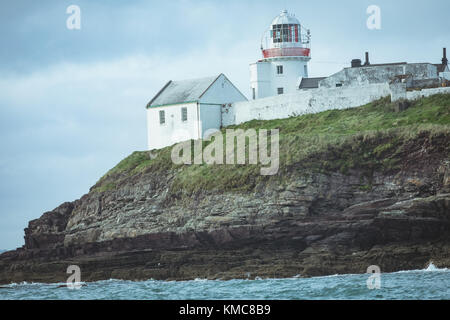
(285,48)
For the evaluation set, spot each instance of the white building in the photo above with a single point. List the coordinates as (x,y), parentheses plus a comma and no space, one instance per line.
(285,48)
(443,69)
(415,75)
(184,110)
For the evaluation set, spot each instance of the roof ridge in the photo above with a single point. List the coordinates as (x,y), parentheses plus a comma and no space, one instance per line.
(195,79)
(183,91)
(159,92)
(214,81)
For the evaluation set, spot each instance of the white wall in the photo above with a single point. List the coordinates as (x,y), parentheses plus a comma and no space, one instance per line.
(445,75)
(260,79)
(173,130)
(204,115)
(398,91)
(222,91)
(302,102)
(265,79)
(416,94)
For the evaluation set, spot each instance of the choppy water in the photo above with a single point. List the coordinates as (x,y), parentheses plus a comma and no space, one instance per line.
(431,283)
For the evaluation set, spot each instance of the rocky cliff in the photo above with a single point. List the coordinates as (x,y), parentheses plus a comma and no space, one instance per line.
(358,187)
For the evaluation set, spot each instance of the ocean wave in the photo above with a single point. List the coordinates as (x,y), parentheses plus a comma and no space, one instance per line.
(430,268)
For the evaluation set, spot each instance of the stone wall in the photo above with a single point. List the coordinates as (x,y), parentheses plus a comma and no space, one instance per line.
(318,100)
(302,102)
(361,76)
(416,94)
(398,91)
(425,83)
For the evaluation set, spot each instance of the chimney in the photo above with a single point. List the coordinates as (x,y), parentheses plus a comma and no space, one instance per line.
(444,57)
(367,59)
(356,63)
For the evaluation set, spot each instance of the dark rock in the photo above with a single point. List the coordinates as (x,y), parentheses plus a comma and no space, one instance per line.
(314,223)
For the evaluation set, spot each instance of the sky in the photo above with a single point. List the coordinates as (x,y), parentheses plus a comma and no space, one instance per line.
(72,101)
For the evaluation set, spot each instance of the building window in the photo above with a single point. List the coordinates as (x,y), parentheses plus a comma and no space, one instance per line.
(162,117)
(338,84)
(305,71)
(254,93)
(279,69)
(183,114)
(280,90)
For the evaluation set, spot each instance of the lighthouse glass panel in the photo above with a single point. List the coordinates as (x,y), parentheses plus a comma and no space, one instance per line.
(284,33)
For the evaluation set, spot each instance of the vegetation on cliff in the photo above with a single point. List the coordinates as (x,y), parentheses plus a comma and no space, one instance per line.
(371,138)
(357,187)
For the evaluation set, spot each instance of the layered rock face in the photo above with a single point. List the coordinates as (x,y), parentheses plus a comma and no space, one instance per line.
(308,224)
(306,220)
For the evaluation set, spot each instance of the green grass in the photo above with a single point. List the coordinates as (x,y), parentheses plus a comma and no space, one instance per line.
(368,138)
(377,115)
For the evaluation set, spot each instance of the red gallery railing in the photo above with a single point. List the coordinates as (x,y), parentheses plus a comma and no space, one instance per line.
(286,52)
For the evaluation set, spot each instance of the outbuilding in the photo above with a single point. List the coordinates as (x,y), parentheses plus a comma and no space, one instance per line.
(184,110)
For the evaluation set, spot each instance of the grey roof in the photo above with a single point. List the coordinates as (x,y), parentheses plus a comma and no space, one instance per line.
(182,91)
(385,64)
(379,65)
(310,83)
(440,67)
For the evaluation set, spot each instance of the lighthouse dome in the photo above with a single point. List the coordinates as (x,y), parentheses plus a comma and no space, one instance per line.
(286,37)
(285,18)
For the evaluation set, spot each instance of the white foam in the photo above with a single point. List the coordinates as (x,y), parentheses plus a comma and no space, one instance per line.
(430,268)
(433,268)
(200,279)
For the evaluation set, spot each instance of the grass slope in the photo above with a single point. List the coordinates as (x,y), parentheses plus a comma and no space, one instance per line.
(371,137)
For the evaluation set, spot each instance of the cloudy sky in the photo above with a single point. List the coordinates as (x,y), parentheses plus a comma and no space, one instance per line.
(72,102)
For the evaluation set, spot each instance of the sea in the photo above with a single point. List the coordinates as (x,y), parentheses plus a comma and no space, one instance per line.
(429,284)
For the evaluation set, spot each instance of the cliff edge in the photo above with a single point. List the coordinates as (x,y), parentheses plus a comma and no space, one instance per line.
(357,187)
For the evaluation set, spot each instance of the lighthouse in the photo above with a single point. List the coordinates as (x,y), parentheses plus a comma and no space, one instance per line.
(285,48)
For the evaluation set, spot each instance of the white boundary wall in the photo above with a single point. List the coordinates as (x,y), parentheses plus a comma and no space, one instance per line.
(317,100)
(302,102)
(413,95)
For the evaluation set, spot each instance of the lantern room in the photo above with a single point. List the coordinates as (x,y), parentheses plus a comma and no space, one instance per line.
(286,38)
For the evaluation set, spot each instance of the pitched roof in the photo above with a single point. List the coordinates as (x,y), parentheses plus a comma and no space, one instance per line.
(440,67)
(310,83)
(385,64)
(379,65)
(182,91)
